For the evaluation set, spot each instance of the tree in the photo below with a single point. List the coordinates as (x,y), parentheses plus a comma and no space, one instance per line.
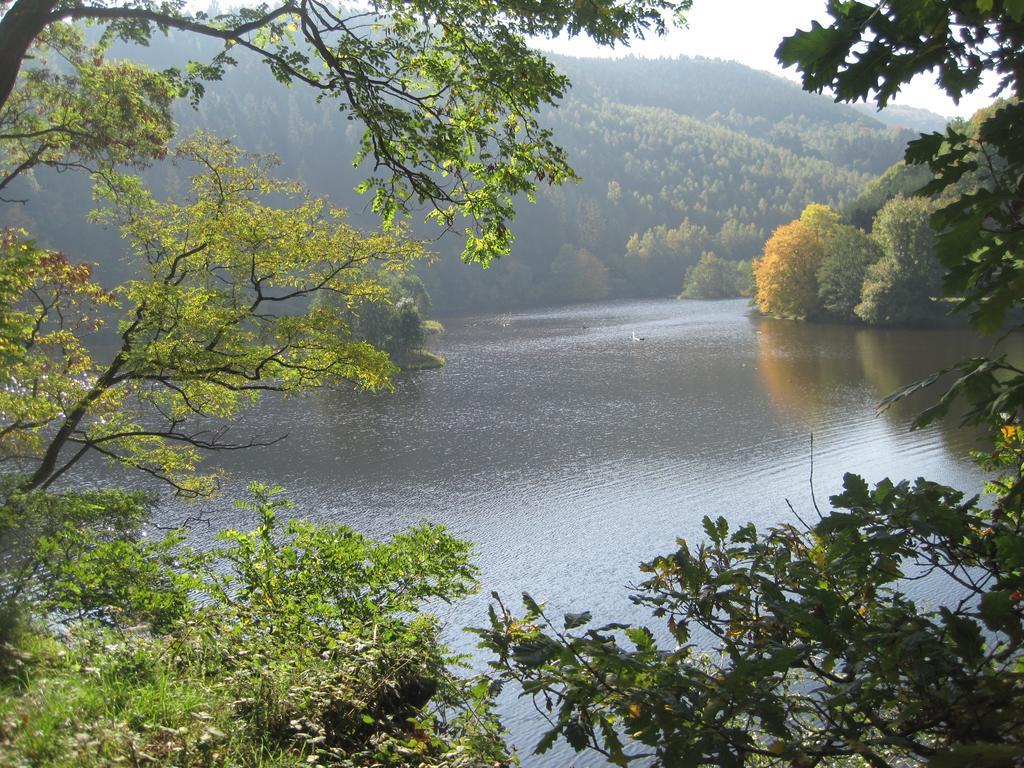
(711,278)
(663,255)
(822,219)
(799,646)
(745,278)
(739,241)
(871,50)
(849,253)
(899,179)
(447,91)
(87,114)
(391,323)
(785,274)
(221,313)
(817,653)
(409,333)
(901,285)
(578,275)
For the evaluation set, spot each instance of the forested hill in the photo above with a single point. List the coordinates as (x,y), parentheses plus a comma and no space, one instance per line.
(678,157)
(748,101)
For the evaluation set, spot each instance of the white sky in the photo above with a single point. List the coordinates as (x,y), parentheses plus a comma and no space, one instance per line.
(748,31)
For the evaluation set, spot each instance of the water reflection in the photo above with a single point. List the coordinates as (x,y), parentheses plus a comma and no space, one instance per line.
(808,371)
(812,373)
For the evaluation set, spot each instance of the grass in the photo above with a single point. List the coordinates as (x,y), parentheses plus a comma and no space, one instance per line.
(421,360)
(200,697)
(432,327)
(96,699)
(307,649)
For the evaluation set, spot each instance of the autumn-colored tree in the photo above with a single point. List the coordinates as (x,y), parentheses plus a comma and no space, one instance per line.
(823,219)
(802,645)
(785,275)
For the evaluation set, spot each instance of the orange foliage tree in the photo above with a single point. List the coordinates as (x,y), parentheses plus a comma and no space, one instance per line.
(785,274)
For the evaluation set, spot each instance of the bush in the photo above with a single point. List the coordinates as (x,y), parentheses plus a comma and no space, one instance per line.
(77,554)
(295,644)
(814,652)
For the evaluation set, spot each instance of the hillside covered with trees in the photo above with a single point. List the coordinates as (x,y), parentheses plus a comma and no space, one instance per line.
(877,260)
(676,158)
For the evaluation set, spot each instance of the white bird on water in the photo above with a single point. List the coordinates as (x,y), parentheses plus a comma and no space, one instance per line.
(638,338)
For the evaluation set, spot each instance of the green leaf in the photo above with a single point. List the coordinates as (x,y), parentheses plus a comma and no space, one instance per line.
(546,741)
(536,651)
(819,50)
(642,639)
(997,611)
(576,735)
(966,635)
(531,605)
(573,620)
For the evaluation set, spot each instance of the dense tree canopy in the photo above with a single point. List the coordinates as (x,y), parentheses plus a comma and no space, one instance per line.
(870,50)
(715,278)
(649,162)
(890,276)
(447,91)
(901,286)
(849,252)
(898,179)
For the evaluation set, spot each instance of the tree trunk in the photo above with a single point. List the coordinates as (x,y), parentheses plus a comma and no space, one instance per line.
(44,474)
(18,28)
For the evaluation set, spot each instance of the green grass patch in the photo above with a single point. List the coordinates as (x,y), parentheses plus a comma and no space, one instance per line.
(421,360)
(432,327)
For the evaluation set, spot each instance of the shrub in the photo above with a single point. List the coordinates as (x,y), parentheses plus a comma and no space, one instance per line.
(290,644)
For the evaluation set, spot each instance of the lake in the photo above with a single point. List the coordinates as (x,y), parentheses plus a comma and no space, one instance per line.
(569,453)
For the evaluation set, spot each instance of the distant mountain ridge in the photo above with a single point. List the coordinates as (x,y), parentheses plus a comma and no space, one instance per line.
(700,86)
(701,154)
(912,118)
(678,157)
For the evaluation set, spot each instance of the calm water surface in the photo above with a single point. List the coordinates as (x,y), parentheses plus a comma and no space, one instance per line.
(569,453)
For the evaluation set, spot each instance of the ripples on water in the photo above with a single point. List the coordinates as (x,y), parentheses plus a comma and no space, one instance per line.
(569,453)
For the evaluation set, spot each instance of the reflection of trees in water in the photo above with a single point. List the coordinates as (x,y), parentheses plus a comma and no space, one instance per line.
(897,357)
(894,358)
(805,367)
